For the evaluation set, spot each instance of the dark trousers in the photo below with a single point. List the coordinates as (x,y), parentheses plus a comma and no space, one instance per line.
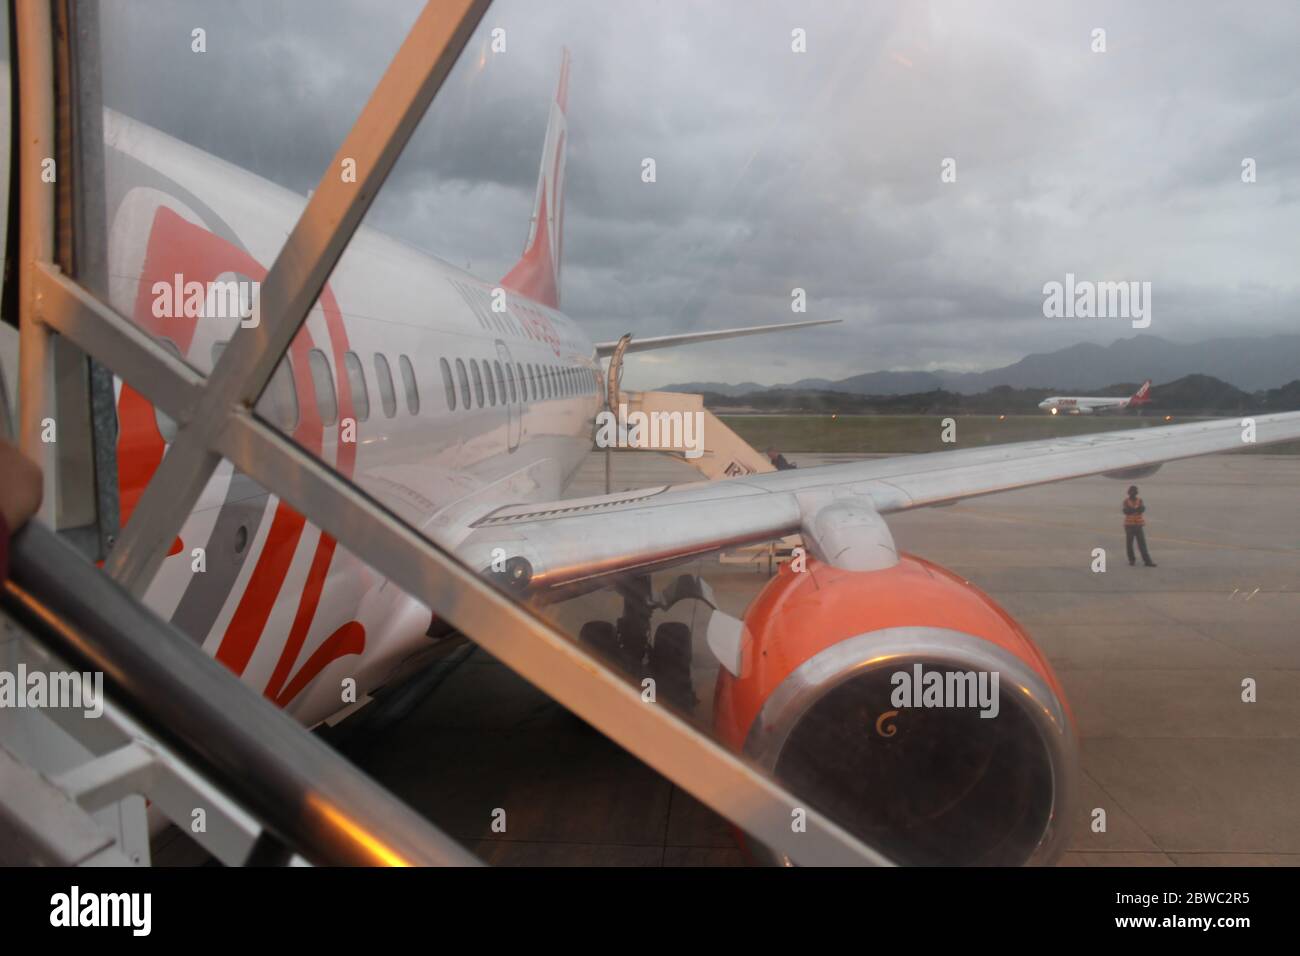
(1134,532)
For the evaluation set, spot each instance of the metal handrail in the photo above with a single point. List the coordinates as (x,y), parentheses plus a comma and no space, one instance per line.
(309,798)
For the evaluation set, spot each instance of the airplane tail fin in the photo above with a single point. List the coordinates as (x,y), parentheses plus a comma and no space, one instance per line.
(537,273)
(1142,395)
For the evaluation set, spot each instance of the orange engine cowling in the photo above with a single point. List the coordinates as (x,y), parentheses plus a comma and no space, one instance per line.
(907,763)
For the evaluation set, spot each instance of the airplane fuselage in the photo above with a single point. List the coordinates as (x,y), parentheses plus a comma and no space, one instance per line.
(1068,405)
(434,391)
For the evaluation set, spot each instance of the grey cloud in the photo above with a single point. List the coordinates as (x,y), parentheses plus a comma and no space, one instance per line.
(775,170)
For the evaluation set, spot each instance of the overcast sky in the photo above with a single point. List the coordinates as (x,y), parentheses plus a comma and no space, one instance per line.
(777,169)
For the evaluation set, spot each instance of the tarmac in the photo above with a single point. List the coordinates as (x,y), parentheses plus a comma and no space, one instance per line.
(1152,661)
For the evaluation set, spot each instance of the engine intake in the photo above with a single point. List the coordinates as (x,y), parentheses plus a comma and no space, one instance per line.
(863,692)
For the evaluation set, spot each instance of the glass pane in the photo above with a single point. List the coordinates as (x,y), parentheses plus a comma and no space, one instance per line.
(491,385)
(357,381)
(409,385)
(501,382)
(478,381)
(464,383)
(768,206)
(447,384)
(384,376)
(322,380)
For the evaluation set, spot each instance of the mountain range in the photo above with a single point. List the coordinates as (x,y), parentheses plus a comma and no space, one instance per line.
(1251,364)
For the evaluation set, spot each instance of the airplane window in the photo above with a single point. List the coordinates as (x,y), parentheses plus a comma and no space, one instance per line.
(322,380)
(478,381)
(279,403)
(408,383)
(510,380)
(384,375)
(523,385)
(491,386)
(447,383)
(501,382)
(464,383)
(357,383)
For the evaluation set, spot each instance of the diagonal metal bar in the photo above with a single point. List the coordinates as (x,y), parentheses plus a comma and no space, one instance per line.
(295,279)
(117,342)
(535,650)
(522,641)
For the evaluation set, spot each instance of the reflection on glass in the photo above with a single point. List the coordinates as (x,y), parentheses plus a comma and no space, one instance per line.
(764,190)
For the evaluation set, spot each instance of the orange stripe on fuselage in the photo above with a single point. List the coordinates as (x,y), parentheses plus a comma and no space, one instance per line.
(345,462)
(348,639)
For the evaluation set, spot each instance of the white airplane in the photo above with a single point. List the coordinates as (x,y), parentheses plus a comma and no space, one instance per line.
(468,422)
(1076,405)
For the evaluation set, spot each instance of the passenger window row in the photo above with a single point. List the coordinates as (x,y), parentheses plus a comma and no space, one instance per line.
(482,383)
(279,403)
(491,382)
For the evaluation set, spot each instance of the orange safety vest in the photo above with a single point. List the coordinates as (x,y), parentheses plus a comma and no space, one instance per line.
(1133,520)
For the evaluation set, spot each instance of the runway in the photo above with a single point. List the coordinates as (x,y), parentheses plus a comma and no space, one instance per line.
(1152,661)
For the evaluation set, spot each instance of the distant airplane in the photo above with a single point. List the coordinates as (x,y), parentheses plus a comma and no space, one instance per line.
(1075,405)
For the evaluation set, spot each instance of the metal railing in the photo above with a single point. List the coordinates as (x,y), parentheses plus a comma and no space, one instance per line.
(308,799)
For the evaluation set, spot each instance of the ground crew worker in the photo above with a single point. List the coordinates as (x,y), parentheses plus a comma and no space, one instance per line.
(1133,525)
(778,460)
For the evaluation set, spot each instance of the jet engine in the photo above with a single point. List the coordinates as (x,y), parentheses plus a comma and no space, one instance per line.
(871,693)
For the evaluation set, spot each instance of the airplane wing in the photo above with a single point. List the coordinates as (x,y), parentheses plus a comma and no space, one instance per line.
(837,508)
(606,349)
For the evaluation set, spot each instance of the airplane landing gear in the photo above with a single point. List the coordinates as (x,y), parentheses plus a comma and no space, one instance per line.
(627,644)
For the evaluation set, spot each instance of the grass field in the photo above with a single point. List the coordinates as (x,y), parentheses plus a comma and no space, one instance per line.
(898,434)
